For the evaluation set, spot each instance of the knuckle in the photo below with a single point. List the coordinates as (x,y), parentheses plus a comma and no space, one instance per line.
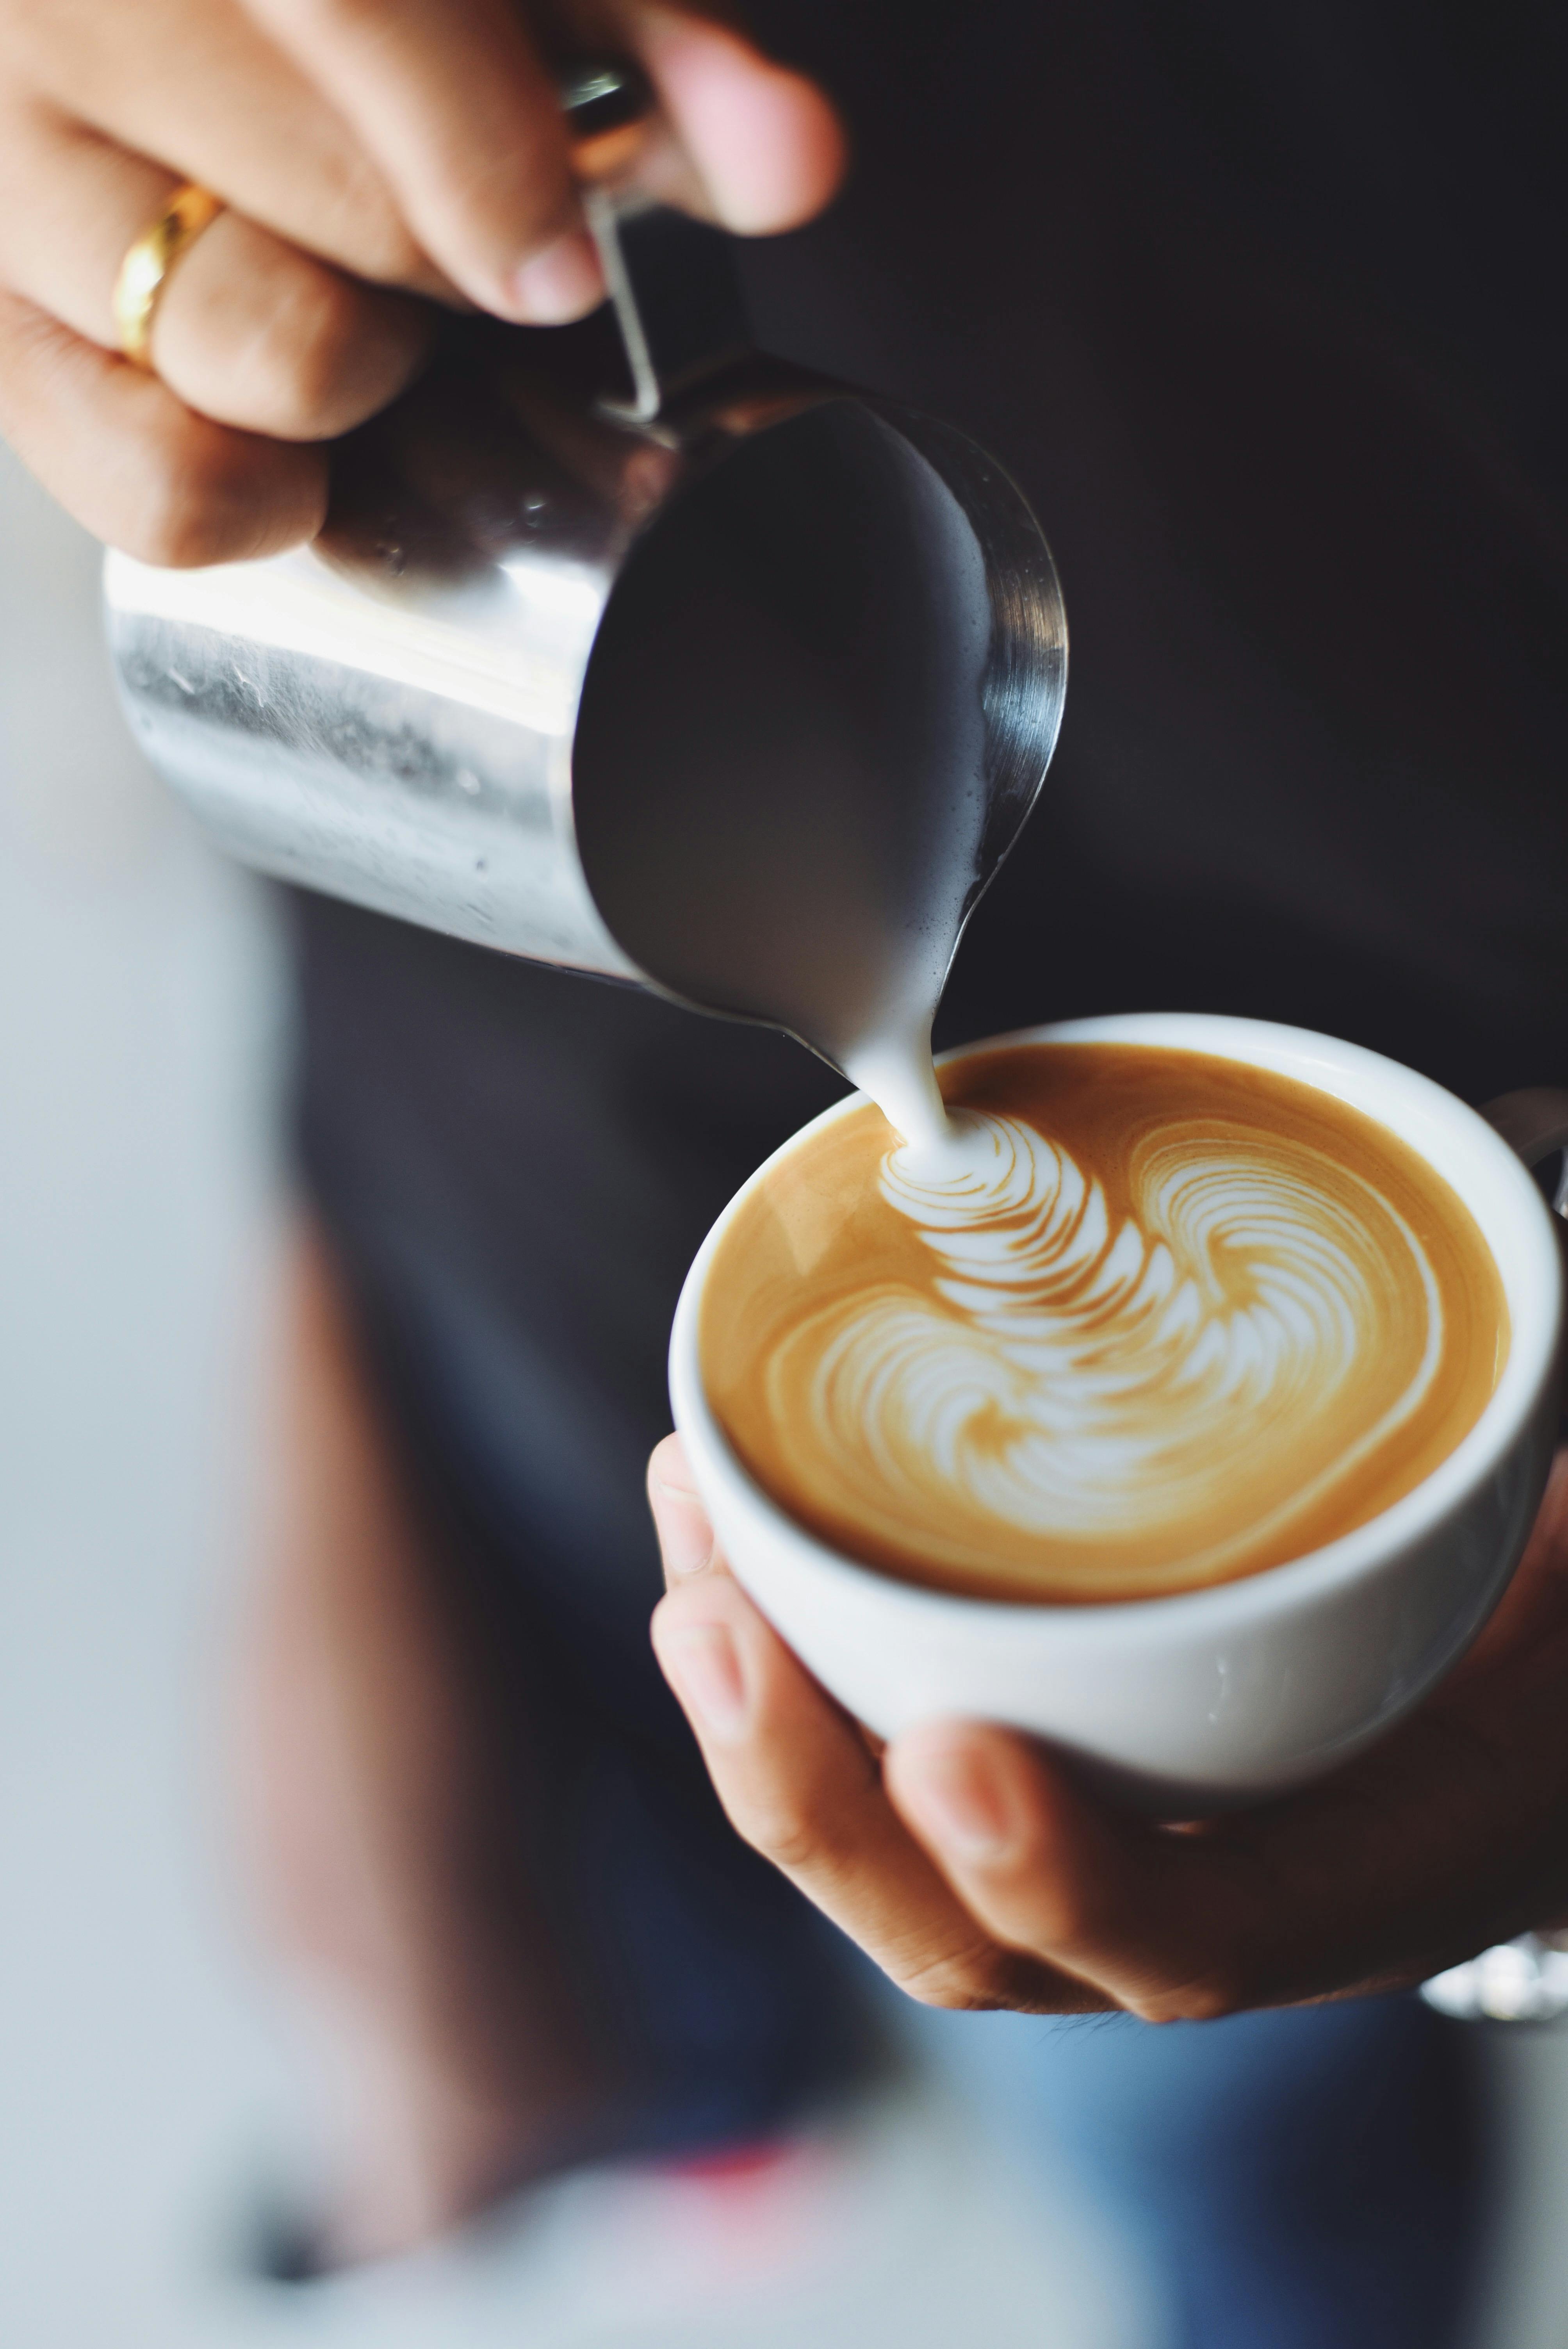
(1072,1918)
(982,1978)
(784,1834)
(949,1993)
(961,1983)
(304,355)
(171,523)
(514,177)
(1207,1998)
(133,465)
(200,497)
(1068,1913)
(365,223)
(513,193)
(387,253)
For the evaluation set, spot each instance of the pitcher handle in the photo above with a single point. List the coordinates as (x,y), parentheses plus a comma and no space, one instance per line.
(672,281)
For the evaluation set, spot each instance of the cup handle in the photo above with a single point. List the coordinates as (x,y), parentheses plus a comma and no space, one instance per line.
(1522,1981)
(1534,1125)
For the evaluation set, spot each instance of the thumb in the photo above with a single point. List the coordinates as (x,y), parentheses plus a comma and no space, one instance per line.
(684,1527)
(765,141)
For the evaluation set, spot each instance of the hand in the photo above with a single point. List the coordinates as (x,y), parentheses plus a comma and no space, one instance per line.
(968,1864)
(369,151)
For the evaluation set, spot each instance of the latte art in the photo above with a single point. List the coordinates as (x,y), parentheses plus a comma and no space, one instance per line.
(1084,1374)
(1141,1339)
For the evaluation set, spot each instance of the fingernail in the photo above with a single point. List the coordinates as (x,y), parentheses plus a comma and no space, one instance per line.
(702,1662)
(685,1536)
(563,283)
(960,1797)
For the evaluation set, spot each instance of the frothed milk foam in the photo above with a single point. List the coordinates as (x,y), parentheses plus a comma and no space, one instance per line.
(1129,1320)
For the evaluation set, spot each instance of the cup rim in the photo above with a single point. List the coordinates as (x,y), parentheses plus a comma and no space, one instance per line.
(1535,1316)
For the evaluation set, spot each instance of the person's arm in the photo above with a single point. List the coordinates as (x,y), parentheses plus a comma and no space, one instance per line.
(368,155)
(966,1862)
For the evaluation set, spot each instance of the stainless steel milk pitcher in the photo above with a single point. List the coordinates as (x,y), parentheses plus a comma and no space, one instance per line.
(724,679)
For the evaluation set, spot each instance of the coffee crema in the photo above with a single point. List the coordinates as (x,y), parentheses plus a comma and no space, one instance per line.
(1160,1320)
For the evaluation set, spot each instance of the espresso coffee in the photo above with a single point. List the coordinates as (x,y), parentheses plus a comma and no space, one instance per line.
(1150,1320)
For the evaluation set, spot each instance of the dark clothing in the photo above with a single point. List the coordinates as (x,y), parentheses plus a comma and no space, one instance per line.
(514,1169)
(1259,306)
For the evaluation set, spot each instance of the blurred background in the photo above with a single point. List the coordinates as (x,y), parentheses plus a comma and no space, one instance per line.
(154,2103)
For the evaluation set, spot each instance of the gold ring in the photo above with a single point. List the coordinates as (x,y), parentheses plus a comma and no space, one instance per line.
(144,272)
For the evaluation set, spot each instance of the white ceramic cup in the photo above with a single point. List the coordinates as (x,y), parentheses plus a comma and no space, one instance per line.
(1196,1703)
